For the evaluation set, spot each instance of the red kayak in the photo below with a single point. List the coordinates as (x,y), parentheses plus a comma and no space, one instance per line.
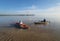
(22,25)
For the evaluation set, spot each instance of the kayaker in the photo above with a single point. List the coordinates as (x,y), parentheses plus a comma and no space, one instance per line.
(44,20)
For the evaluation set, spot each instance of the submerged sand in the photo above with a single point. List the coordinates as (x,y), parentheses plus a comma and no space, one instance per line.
(32,34)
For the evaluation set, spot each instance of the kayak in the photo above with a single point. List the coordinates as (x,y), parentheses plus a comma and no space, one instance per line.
(22,26)
(40,22)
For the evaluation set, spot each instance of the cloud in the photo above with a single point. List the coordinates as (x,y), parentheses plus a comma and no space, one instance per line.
(58,4)
(28,10)
(49,12)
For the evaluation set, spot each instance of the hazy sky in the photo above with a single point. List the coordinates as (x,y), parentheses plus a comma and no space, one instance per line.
(40,7)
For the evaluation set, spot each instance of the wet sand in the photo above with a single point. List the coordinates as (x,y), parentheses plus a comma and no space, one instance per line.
(32,34)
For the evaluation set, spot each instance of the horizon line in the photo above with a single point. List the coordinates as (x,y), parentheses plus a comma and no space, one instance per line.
(17,14)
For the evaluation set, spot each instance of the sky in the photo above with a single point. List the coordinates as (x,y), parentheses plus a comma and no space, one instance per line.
(39,7)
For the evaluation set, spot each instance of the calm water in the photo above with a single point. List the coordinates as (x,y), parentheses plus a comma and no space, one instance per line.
(54,24)
(8,20)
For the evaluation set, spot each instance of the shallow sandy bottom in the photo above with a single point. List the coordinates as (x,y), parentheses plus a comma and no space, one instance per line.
(32,34)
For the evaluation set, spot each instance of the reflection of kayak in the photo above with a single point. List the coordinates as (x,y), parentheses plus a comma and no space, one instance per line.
(40,22)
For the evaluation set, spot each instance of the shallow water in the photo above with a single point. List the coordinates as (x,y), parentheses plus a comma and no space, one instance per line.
(10,20)
(52,29)
(6,21)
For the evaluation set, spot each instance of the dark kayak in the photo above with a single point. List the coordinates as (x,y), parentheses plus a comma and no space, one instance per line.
(40,22)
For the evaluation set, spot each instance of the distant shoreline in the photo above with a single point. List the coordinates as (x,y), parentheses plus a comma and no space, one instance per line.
(17,15)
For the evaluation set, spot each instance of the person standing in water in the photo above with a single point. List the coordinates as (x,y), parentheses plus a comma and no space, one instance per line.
(21,22)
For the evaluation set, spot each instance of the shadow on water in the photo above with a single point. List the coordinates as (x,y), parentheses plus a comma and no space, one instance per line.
(15,26)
